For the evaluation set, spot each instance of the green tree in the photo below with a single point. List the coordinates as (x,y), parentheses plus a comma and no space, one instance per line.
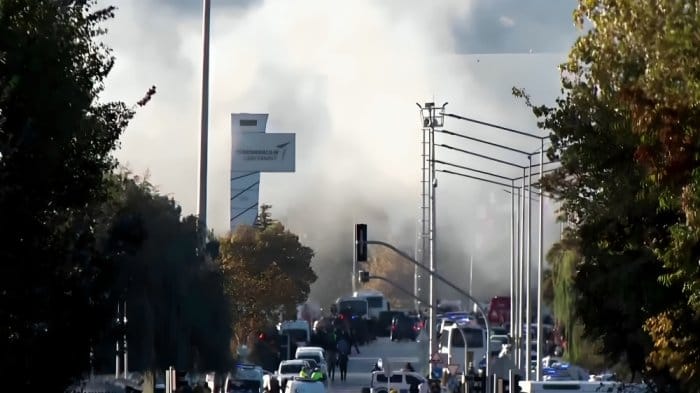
(644,54)
(267,273)
(55,144)
(178,312)
(614,213)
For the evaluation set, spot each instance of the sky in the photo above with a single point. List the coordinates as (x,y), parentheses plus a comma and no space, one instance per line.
(345,76)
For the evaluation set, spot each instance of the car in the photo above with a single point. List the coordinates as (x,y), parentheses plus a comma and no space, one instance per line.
(316,354)
(383,326)
(303,385)
(246,378)
(287,371)
(402,328)
(402,381)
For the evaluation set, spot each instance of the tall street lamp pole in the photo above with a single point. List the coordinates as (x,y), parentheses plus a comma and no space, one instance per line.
(433,120)
(204,124)
(540,271)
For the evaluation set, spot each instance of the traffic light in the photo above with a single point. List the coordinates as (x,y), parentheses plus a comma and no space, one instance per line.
(262,337)
(363,276)
(361,242)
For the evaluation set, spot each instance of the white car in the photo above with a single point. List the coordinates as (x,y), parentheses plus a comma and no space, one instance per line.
(401,381)
(299,385)
(317,354)
(287,371)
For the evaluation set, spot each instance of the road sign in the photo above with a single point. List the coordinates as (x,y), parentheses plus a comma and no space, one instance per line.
(435,358)
(453,368)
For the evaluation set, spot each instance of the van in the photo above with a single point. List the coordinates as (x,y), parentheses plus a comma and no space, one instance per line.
(452,344)
(298,331)
(376,302)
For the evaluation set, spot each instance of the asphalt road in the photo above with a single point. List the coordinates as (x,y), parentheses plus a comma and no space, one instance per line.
(397,353)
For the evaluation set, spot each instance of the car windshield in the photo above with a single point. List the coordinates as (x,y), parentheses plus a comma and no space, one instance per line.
(308,355)
(290,368)
(296,334)
(355,307)
(474,337)
(243,386)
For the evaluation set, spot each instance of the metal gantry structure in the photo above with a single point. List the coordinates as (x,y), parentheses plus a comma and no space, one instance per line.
(432,118)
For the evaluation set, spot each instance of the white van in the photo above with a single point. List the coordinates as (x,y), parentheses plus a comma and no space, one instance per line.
(376,302)
(299,331)
(452,344)
(401,381)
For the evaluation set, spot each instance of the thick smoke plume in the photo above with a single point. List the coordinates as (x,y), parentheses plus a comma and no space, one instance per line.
(345,76)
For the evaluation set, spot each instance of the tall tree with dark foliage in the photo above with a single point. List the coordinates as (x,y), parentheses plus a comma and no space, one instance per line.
(55,144)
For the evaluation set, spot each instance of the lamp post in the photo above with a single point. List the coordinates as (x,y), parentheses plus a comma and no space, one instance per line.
(516,304)
(529,236)
(204,124)
(432,119)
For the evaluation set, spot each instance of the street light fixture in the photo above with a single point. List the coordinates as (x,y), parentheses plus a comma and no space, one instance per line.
(541,236)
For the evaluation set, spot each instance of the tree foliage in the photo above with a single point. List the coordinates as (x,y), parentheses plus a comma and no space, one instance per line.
(178,314)
(384,262)
(626,133)
(267,272)
(55,144)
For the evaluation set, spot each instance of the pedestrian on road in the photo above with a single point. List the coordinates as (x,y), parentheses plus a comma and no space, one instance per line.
(343,366)
(343,347)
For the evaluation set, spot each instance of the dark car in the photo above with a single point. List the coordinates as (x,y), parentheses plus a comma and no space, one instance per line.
(384,322)
(403,328)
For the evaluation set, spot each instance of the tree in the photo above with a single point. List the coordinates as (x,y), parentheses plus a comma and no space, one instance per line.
(55,144)
(645,54)
(177,310)
(386,263)
(267,273)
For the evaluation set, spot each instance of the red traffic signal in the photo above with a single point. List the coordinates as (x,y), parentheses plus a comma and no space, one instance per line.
(261,336)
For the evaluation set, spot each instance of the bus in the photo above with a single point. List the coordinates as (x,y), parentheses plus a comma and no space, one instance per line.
(376,302)
(356,307)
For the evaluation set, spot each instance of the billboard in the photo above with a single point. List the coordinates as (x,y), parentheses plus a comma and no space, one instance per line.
(245,185)
(262,152)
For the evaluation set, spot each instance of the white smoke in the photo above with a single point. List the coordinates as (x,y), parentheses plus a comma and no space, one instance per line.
(345,76)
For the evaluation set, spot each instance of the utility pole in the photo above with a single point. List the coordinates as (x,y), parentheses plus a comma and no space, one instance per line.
(539,270)
(471,276)
(204,124)
(117,370)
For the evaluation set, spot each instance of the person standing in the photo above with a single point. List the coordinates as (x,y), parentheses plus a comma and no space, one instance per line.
(343,347)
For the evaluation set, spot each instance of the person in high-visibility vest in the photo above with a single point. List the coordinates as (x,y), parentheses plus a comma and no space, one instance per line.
(317,375)
(304,373)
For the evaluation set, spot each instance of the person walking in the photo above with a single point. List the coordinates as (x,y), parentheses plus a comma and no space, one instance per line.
(343,347)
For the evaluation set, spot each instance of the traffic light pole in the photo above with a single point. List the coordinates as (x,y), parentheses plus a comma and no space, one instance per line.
(459,290)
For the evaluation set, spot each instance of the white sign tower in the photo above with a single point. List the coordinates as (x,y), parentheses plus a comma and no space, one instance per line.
(254,151)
